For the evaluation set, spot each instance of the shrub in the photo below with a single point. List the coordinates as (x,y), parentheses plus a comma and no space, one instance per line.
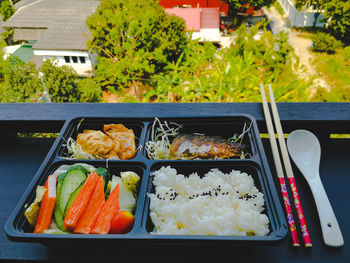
(324,42)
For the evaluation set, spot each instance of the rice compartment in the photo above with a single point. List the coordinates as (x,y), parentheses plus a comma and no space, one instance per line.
(216,204)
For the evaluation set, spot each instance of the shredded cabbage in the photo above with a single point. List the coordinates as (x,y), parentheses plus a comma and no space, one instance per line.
(158,147)
(75,151)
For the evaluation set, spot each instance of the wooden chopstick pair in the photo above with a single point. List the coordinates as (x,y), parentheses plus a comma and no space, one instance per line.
(288,169)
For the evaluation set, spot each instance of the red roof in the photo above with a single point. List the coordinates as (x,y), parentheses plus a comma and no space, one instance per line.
(197,18)
(192,16)
(222,5)
(210,18)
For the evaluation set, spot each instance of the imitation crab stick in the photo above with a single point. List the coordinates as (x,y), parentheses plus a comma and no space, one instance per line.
(47,205)
(109,210)
(91,212)
(80,203)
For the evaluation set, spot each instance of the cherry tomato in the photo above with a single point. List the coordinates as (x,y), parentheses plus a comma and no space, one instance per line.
(122,222)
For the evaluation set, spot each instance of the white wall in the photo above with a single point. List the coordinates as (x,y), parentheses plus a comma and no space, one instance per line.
(9,50)
(207,34)
(300,18)
(82,69)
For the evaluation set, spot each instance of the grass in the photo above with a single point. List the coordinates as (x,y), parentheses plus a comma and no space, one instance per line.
(335,67)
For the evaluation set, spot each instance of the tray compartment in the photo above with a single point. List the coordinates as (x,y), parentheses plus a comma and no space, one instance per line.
(225,127)
(276,227)
(21,225)
(78,125)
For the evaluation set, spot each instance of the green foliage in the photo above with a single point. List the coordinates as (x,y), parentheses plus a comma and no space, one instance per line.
(6,10)
(335,69)
(203,74)
(60,82)
(21,82)
(337,13)
(318,4)
(325,42)
(135,40)
(89,90)
(337,94)
(63,84)
(236,5)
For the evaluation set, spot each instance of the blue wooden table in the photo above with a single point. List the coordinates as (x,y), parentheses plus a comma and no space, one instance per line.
(21,157)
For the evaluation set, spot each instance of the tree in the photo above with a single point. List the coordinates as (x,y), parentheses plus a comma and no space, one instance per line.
(236,5)
(63,86)
(60,82)
(135,40)
(21,82)
(6,10)
(337,14)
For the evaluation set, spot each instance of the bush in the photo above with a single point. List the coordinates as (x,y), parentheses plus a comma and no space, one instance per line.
(89,90)
(324,42)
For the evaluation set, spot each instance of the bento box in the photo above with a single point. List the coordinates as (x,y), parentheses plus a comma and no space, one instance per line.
(202,180)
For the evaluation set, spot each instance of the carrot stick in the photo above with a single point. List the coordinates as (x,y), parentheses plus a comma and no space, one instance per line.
(47,205)
(90,214)
(111,207)
(80,202)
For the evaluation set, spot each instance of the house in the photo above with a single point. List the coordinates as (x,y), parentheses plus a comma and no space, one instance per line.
(51,29)
(222,5)
(203,22)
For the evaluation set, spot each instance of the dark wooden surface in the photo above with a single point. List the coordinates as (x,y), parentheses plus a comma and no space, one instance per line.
(20,159)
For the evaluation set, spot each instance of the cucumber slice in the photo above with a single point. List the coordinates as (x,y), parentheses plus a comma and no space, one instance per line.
(127,200)
(72,198)
(71,181)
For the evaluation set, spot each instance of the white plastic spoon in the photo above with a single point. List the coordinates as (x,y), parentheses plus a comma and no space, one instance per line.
(305,150)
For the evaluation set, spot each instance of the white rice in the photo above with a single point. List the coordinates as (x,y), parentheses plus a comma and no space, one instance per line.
(215,204)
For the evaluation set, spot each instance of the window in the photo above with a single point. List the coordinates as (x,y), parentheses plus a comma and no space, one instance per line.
(67,59)
(82,60)
(75,59)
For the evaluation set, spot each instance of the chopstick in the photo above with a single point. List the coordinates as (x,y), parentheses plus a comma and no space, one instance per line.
(278,165)
(289,170)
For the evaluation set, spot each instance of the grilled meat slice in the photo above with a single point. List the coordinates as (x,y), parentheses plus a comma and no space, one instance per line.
(192,146)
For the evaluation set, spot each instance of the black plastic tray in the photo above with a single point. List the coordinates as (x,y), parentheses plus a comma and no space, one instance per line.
(256,165)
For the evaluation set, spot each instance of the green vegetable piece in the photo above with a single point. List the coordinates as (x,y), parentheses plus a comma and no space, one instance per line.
(77,167)
(60,178)
(105,174)
(71,181)
(57,211)
(72,198)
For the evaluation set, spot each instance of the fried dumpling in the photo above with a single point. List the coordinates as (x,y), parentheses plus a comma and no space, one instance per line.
(98,144)
(125,137)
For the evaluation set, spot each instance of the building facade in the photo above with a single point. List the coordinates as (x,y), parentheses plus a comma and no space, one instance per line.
(56,30)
